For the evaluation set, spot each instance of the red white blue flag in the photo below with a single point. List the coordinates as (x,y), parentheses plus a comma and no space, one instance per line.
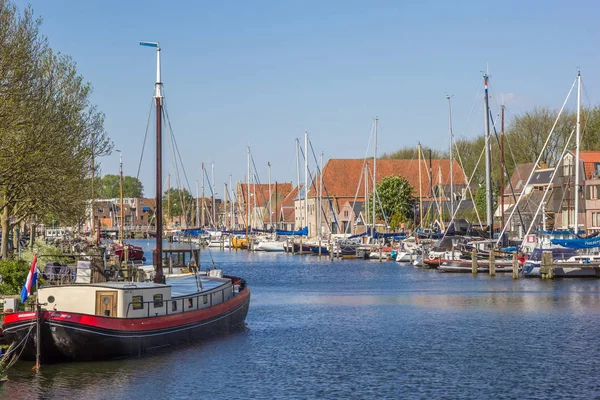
(32,277)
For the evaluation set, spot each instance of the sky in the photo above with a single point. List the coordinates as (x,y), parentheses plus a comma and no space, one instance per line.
(261,73)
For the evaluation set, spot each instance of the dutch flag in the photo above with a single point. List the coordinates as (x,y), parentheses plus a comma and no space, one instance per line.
(31,280)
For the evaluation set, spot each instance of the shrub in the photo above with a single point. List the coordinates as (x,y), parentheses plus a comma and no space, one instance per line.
(14,273)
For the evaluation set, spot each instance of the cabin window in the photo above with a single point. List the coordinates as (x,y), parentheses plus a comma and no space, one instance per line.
(205,299)
(190,303)
(158,300)
(174,306)
(137,302)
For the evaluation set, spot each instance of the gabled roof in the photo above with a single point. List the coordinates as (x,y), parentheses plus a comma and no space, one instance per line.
(286,209)
(341,177)
(520,175)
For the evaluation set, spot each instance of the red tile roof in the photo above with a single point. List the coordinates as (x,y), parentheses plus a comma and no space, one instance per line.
(589,158)
(341,176)
(261,191)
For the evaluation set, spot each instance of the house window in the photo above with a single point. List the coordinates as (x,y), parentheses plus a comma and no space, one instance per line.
(597,169)
(593,192)
(137,302)
(158,300)
(346,213)
(567,164)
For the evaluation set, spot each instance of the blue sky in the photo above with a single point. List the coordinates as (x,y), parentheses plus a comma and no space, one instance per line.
(260,73)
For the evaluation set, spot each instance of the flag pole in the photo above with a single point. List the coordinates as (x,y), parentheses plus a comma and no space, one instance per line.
(38,325)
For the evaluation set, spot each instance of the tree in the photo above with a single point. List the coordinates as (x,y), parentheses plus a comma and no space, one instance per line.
(409,153)
(481,200)
(50,133)
(395,201)
(181,204)
(108,187)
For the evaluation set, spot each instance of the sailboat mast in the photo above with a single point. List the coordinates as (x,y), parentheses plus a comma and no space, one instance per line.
(305,178)
(225,206)
(298,174)
(232,219)
(203,219)
(451,158)
(214,208)
(197,205)
(488,162)
(366,206)
(168,199)
(248,195)
(92,221)
(420,187)
(577,138)
(319,210)
(121,234)
(158,276)
(374,176)
(270,196)
(502,167)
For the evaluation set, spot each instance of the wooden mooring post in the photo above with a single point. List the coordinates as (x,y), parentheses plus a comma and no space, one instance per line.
(474,262)
(492,263)
(546,267)
(515,266)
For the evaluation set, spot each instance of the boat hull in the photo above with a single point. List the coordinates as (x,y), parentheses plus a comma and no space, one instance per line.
(79,337)
(465,266)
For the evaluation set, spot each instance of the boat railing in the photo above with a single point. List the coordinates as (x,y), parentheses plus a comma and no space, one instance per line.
(187,303)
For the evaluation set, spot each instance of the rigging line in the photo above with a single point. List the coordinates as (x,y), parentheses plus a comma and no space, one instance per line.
(479,85)
(210,187)
(538,159)
(173,148)
(505,171)
(313,180)
(313,184)
(464,194)
(257,181)
(319,172)
(145,137)
(460,162)
(177,148)
(548,187)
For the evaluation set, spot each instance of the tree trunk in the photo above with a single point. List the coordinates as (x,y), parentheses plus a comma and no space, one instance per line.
(5,229)
(16,235)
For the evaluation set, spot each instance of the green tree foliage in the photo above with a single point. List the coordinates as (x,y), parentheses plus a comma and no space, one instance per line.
(480,201)
(108,187)
(50,133)
(181,204)
(14,273)
(395,201)
(409,153)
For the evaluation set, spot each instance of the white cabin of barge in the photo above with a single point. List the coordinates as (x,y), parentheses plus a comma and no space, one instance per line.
(132,300)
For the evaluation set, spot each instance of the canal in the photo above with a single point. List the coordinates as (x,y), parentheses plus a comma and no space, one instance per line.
(361,330)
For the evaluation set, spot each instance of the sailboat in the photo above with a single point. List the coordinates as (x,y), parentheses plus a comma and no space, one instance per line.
(107,320)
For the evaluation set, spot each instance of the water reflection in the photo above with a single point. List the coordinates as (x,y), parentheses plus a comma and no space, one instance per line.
(362,329)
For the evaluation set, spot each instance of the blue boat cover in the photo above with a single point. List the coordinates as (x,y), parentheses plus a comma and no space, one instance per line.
(300,232)
(578,243)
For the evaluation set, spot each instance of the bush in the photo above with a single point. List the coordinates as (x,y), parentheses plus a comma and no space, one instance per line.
(14,273)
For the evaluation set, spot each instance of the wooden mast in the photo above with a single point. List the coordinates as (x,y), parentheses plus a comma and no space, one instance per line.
(420,187)
(158,276)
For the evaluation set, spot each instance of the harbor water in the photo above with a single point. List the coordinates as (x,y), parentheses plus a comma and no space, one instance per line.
(353,329)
